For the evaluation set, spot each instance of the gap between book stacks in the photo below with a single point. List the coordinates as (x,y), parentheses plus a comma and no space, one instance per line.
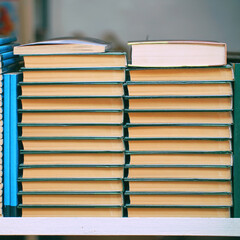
(87,134)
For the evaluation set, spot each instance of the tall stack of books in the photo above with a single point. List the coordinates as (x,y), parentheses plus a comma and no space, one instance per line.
(72,157)
(179,153)
(8,63)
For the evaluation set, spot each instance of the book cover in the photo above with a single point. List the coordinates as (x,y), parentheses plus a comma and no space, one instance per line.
(14,159)
(7,145)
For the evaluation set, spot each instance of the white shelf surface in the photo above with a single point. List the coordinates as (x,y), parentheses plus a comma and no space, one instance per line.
(121,226)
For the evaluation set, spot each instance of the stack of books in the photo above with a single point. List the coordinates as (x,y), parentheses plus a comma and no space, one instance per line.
(179,154)
(8,63)
(72,158)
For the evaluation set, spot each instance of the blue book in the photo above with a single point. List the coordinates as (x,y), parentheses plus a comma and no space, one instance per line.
(6,145)
(6,48)
(10,68)
(6,55)
(8,62)
(6,40)
(14,157)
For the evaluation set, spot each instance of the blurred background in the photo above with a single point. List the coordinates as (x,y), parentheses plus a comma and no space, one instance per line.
(125,20)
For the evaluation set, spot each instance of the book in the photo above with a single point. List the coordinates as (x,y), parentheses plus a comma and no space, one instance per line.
(6,48)
(72,198)
(72,184)
(74,75)
(153,131)
(150,117)
(72,143)
(14,148)
(178,53)
(72,116)
(143,185)
(71,211)
(7,145)
(109,60)
(178,89)
(189,199)
(6,55)
(70,130)
(7,62)
(183,172)
(7,40)
(181,159)
(62,103)
(74,171)
(63,45)
(74,158)
(91,89)
(213,212)
(181,103)
(224,73)
(180,145)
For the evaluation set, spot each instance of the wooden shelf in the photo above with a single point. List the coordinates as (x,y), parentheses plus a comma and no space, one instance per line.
(121,226)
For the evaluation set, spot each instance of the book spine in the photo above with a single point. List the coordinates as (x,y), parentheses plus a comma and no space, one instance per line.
(14,160)
(6,144)
(236,143)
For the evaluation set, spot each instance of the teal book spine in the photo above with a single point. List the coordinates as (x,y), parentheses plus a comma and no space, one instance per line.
(14,159)
(6,144)
(236,144)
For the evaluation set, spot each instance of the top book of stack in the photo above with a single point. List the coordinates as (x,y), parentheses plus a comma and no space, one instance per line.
(64,46)
(178,53)
(70,53)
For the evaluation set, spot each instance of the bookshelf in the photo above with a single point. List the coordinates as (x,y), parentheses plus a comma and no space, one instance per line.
(121,226)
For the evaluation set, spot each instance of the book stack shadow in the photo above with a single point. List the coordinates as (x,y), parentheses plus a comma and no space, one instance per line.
(179,155)
(71,135)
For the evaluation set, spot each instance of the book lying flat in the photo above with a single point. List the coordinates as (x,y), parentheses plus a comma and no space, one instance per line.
(203,199)
(180,117)
(216,89)
(181,103)
(68,198)
(79,144)
(7,62)
(72,89)
(58,171)
(179,145)
(197,172)
(109,59)
(60,184)
(63,45)
(72,131)
(72,103)
(6,55)
(183,74)
(178,53)
(91,116)
(6,48)
(74,75)
(7,40)
(145,185)
(74,158)
(71,212)
(179,212)
(179,131)
(182,159)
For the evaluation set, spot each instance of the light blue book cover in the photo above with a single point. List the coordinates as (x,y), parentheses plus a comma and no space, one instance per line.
(6,55)
(14,157)
(8,62)
(6,48)
(6,145)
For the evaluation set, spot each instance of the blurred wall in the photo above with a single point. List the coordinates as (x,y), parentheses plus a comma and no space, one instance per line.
(158,19)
